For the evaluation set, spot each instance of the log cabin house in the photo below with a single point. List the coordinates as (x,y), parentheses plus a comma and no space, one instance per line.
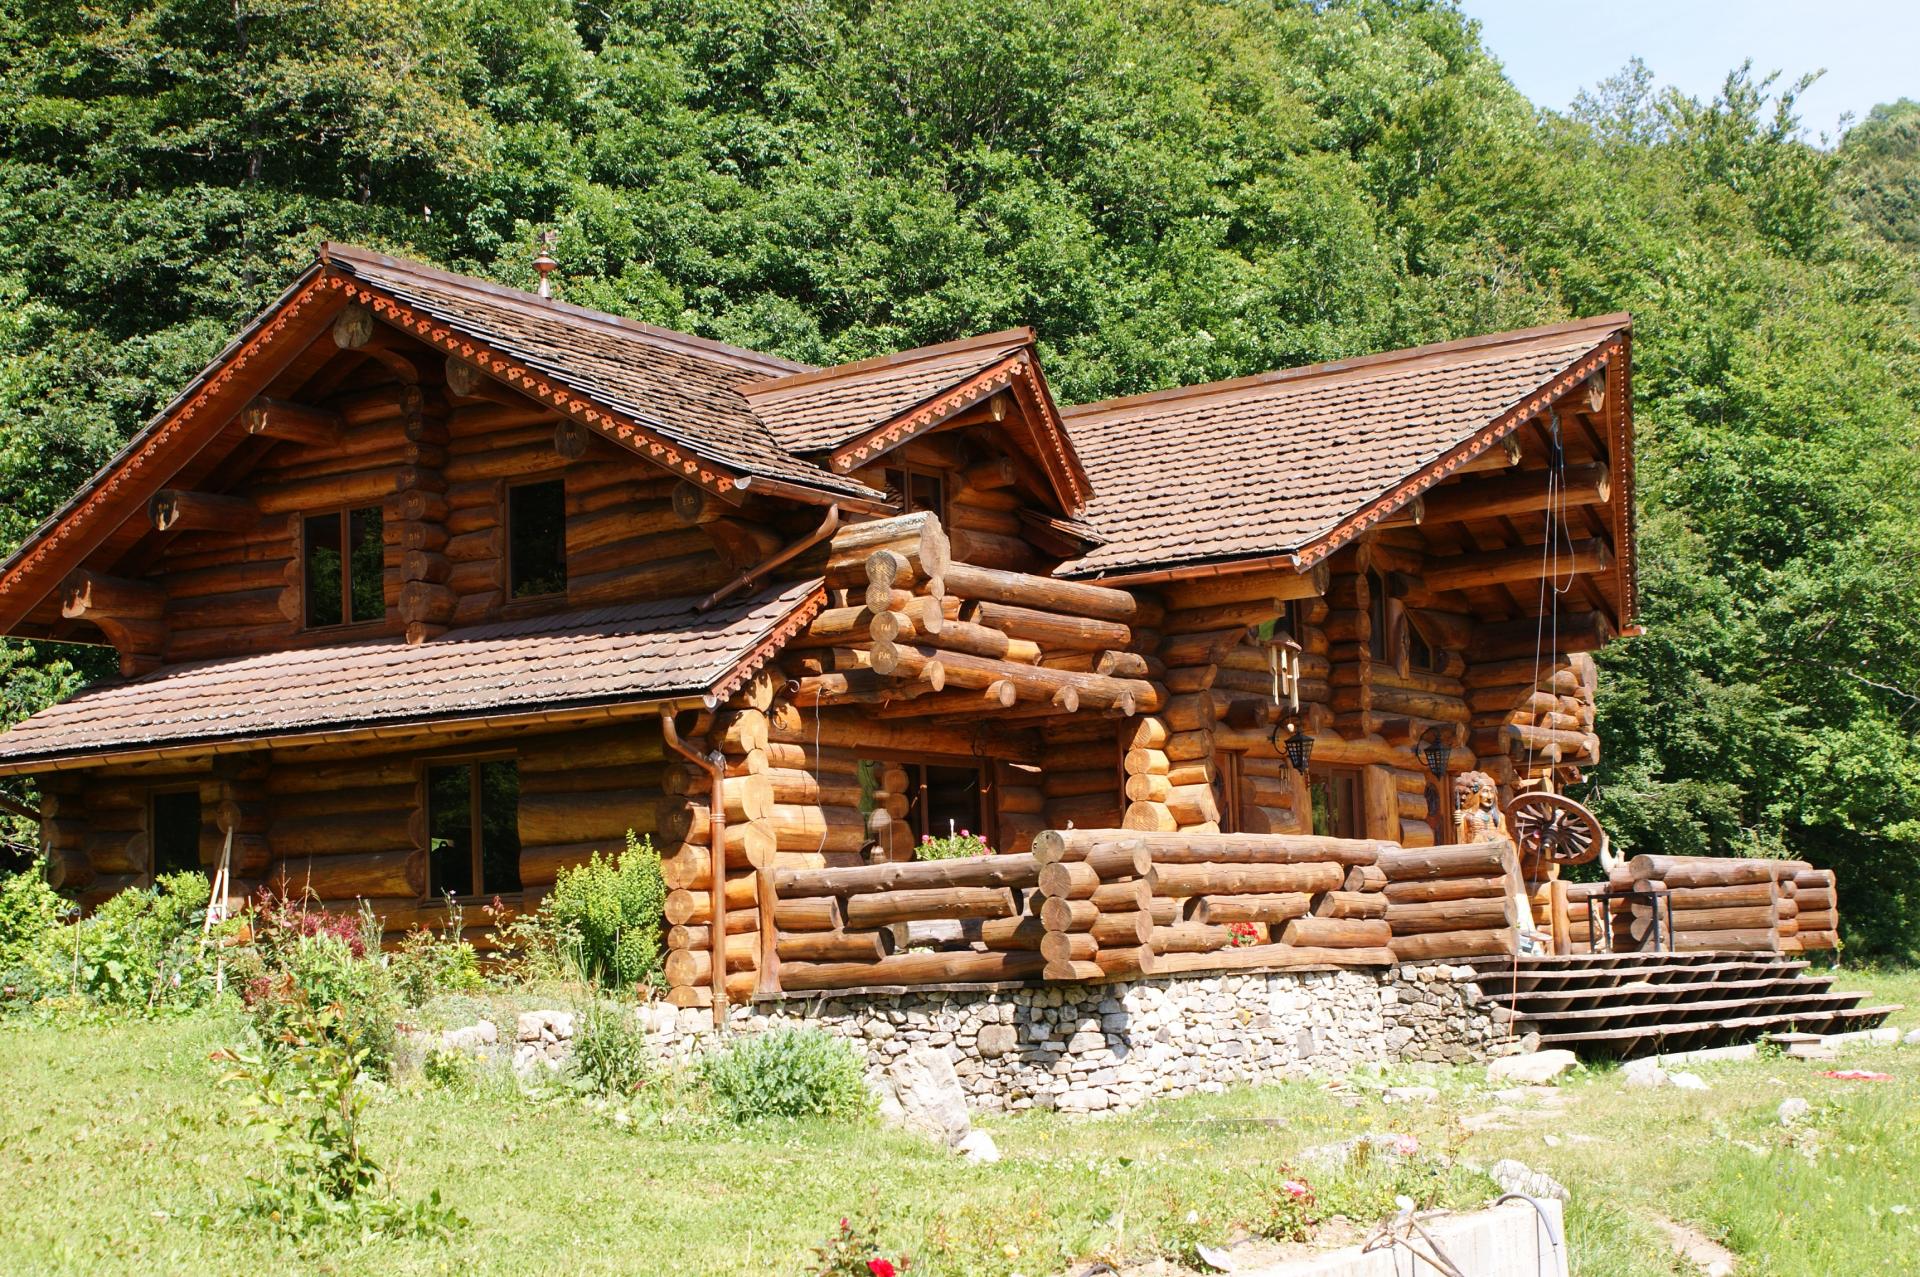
(426,588)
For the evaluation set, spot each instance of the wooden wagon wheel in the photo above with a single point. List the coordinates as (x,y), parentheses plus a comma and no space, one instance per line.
(1554,829)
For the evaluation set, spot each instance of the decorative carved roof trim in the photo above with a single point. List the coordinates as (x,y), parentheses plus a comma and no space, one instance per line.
(1019,374)
(1447,463)
(150,447)
(769,647)
(614,426)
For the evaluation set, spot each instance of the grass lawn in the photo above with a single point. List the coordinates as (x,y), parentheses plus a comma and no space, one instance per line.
(115,1139)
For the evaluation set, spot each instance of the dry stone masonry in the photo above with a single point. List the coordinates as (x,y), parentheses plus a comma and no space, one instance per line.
(1094,1049)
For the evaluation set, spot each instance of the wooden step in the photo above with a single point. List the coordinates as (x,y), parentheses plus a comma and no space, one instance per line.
(1704,1011)
(1686,1037)
(1644,992)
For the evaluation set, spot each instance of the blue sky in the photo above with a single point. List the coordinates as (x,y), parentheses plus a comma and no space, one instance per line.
(1552,49)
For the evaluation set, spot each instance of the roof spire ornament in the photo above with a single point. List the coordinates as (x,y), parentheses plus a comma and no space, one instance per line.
(544,263)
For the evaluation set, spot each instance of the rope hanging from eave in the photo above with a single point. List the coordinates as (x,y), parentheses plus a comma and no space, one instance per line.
(1546,634)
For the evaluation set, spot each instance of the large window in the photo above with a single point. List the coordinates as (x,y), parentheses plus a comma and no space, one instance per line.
(941,799)
(174,832)
(473,827)
(537,539)
(1335,794)
(344,557)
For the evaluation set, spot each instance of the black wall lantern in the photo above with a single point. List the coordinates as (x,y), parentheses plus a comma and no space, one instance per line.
(1435,749)
(1298,747)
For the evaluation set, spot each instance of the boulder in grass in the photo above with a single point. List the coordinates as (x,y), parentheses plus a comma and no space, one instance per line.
(929,1095)
(1517,1177)
(1537,1069)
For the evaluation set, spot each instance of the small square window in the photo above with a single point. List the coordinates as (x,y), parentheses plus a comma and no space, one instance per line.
(918,490)
(537,539)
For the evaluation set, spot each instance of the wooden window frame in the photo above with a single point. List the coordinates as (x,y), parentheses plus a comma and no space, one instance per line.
(423,796)
(908,473)
(509,599)
(153,829)
(1229,765)
(346,621)
(1357,815)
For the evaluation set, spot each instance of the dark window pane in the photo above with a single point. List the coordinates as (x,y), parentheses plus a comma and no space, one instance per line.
(176,832)
(1420,652)
(1377,608)
(450,829)
(897,487)
(537,524)
(499,827)
(322,540)
(927,493)
(1336,804)
(365,576)
(953,801)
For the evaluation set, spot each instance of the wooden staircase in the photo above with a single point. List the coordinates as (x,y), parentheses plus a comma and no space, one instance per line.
(1626,1004)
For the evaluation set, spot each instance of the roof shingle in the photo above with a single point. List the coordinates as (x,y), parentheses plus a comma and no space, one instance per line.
(818,410)
(638,652)
(1266,465)
(683,387)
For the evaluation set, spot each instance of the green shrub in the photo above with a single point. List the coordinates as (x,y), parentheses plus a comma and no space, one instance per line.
(428,963)
(449,1070)
(787,1072)
(610,1050)
(141,950)
(30,934)
(302,974)
(603,921)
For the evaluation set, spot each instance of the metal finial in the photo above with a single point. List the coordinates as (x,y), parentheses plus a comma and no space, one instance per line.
(545,262)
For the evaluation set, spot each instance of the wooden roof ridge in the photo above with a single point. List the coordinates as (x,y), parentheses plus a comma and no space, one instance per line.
(1412,359)
(536,306)
(775,387)
(1449,460)
(1610,348)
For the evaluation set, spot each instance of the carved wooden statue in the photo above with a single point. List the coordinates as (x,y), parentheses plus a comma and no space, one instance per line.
(1477,815)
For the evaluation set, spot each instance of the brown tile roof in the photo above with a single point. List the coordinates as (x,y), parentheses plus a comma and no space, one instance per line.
(681,387)
(640,652)
(1273,464)
(820,409)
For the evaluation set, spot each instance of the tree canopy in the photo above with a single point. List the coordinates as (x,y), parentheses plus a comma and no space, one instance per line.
(1169,191)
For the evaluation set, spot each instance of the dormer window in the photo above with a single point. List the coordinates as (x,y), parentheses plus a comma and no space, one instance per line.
(919,490)
(537,539)
(343,558)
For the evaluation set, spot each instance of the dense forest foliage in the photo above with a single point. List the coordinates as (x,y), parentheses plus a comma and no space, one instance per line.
(1168,191)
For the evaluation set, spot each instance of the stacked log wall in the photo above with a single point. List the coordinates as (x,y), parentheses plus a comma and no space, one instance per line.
(1724,904)
(439,471)
(1453,901)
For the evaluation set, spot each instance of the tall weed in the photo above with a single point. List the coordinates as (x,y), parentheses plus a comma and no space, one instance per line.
(309,1096)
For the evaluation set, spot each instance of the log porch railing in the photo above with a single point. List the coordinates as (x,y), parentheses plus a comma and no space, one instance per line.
(1104,904)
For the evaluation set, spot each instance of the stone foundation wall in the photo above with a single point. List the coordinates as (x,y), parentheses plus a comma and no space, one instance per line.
(1085,1049)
